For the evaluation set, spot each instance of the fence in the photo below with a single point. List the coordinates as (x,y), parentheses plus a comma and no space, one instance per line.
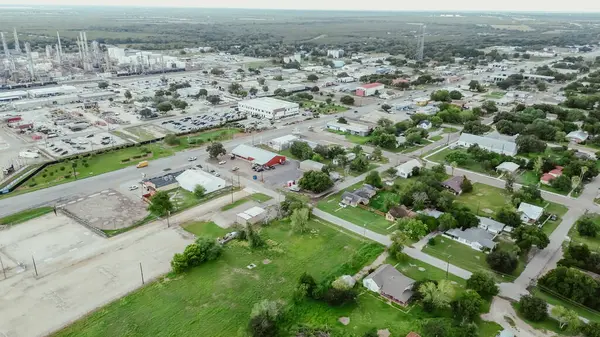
(83,222)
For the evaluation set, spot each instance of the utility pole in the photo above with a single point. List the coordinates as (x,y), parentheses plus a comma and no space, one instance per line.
(232,189)
(168,223)
(142,273)
(34,266)
(447,265)
(3,270)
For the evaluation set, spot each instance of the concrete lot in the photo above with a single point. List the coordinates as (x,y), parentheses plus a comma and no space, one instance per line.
(108,209)
(78,271)
(276,178)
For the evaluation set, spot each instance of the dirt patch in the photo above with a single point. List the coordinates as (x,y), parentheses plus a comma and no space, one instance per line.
(266,261)
(344,320)
(384,333)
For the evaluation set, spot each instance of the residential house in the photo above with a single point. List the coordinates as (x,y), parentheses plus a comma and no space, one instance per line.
(491,225)
(577,136)
(398,212)
(530,213)
(454,184)
(476,238)
(431,212)
(507,167)
(500,146)
(405,170)
(425,125)
(359,196)
(390,283)
(549,176)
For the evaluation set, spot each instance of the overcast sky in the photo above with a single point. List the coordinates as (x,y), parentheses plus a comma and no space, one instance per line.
(431,5)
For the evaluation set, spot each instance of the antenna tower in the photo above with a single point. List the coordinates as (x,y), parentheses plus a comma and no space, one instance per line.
(420,44)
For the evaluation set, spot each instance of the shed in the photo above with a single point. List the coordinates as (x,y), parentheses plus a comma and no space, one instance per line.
(508,167)
(251,215)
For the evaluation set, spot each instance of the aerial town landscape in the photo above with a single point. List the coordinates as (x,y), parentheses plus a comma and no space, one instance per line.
(245,172)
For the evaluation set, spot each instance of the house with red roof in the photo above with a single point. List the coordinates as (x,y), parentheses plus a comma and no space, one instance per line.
(548,177)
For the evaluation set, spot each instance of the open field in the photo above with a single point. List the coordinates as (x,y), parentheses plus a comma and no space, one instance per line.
(205,228)
(484,200)
(556,299)
(24,216)
(199,139)
(470,165)
(495,94)
(256,197)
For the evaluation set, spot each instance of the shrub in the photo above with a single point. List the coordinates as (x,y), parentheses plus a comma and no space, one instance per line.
(44,175)
(431,242)
(62,168)
(67,176)
(32,184)
(204,249)
(51,174)
(533,308)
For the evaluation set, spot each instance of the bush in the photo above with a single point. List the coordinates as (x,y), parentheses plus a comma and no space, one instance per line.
(533,308)
(204,249)
(67,176)
(32,184)
(62,168)
(44,175)
(51,173)
(431,241)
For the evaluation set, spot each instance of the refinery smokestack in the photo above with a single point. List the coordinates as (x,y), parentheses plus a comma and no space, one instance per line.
(30,59)
(6,52)
(17,45)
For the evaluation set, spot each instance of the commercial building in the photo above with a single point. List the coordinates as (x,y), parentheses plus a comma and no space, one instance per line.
(12,95)
(164,182)
(351,128)
(97,96)
(258,156)
(500,146)
(335,53)
(269,108)
(52,91)
(189,179)
(369,89)
(282,143)
(251,215)
(43,102)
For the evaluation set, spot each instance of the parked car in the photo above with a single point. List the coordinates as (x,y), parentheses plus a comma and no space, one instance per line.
(192,158)
(222,162)
(343,205)
(235,168)
(133,187)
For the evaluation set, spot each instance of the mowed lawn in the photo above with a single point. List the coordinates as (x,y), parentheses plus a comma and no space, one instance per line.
(259,197)
(356,215)
(593,243)
(204,137)
(61,173)
(216,298)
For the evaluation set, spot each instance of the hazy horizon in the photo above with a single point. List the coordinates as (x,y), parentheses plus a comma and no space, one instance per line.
(582,6)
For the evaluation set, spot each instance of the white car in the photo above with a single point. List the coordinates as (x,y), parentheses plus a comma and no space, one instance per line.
(342,205)
(235,168)
(223,162)
(133,187)
(192,158)
(217,174)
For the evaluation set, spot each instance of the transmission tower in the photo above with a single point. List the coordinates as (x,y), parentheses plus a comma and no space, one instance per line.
(420,44)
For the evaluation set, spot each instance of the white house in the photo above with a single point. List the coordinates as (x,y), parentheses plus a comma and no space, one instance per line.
(405,170)
(530,213)
(491,225)
(476,238)
(577,136)
(425,125)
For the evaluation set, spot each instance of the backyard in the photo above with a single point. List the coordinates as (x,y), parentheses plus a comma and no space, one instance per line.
(471,165)
(216,298)
(356,215)
(94,164)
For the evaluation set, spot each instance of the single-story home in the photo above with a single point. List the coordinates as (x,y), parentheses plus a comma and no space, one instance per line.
(390,283)
(311,165)
(398,212)
(500,146)
(530,213)
(431,212)
(359,196)
(549,176)
(163,182)
(405,170)
(351,128)
(425,125)
(454,184)
(476,238)
(577,136)
(490,225)
(507,167)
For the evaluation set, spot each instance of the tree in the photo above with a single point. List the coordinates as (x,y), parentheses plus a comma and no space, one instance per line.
(215,150)
(348,100)
(264,318)
(436,328)
(527,236)
(103,85)
(261,81)
(447,221)
(164,107)
(533,308)
(530,144)
(455,94)
(357,150)
(342,120)
(441,96)
(312,77)
(199,191)
(359,164)
(216,71)
(299,220)
(467,306)
(502,261)
(591,330)
(172,140)
(373,179)
(293,202)
(466,186)
(213,99)
(202,250)
(508,216)
(541,86)
(265,88)
(160,203)
(280,92)
(128,95)
(563,183)
(386,107)
(398,241)
(509,184)
(566,318)
(436,296)
(464,216)
(474,85)
(254,238)
(483,284)
(314,89)
(489,106)
(413,228)
(315,181)
(301,150)
(586,226)
(202,93)
(253,91)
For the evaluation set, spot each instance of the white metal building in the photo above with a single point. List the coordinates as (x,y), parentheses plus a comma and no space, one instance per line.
(352,128)
(42,102)
(52,91)
(270,108)
(282,143)
(251,215)
(189,179)
(311,165)
(12,95)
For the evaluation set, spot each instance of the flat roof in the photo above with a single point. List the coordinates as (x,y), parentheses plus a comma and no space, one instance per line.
(10,94)
(259,155)
(268,103)
(97,94)
(350,126)
(53,90)
(284,139)
(371,85)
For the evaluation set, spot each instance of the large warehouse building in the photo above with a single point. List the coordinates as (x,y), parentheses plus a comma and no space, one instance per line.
(258,156)
(270,108)
(369,89)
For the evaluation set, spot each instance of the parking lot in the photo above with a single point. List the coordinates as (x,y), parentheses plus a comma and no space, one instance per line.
(277,176)
(91,142)
(199,122)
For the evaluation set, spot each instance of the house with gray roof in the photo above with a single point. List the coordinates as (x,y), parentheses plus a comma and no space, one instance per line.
(577,136)
(359,196)
(390,283)
(454,184)
(476,238)
(490,225)
(530,213)
(500,146)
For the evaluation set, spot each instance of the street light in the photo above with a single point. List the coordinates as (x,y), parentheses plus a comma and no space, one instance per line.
(448,265)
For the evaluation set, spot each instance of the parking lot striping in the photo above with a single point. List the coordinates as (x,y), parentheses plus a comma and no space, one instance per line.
(94,195)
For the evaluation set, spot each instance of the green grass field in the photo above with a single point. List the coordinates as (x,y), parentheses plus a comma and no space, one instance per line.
(495,94)
(205,137)
(470,165)
(256,196)
(216,298)
(549,324)
(205,228)
(356,215)
(97,164)
(436,138)
(556,299)
(23,216)
(530,178)
(592,243)
(484,197)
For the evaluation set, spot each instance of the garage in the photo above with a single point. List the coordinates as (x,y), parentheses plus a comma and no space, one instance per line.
(258,156)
